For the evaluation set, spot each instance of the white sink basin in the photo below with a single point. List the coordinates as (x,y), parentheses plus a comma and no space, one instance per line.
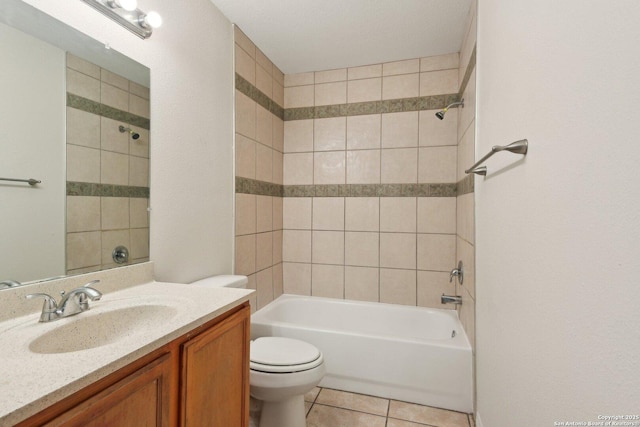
(94,329)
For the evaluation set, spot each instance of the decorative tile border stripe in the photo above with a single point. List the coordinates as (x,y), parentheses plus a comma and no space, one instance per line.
(260,188)
(466,185)
(84,104)
(419,103)
(371,190)
(106,190)
(467,74)
(243,86)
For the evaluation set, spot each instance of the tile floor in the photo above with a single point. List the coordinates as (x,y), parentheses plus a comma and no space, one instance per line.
(334,408)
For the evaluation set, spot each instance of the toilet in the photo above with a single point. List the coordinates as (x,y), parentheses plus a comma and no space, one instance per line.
(282,369)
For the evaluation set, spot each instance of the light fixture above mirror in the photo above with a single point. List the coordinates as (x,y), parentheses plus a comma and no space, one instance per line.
(126,13)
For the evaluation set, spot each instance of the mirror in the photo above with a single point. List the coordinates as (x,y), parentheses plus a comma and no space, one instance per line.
(74,114)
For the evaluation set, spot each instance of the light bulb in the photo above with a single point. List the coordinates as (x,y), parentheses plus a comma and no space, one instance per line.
(151,19)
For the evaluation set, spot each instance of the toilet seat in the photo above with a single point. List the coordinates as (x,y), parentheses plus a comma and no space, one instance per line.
(283,355)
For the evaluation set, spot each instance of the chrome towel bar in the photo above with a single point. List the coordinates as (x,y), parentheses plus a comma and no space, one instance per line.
(31,181)
(518,147)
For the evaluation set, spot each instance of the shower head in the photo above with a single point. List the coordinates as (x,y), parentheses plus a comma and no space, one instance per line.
(134,134)
(440,114)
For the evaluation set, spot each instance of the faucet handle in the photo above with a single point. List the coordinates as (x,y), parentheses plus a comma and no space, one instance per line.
(457,272)
(49,308)
(83,300)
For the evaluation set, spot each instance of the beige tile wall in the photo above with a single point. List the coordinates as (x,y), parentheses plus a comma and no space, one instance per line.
(97,152)
(387,249)
(259,156)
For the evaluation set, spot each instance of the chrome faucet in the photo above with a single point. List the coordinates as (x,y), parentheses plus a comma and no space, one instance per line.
(74,302)
(450,299)
(9,283)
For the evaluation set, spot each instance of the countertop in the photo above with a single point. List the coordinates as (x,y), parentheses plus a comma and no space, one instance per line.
(31,382)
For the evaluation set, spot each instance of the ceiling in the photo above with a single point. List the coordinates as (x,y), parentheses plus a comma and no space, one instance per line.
(314,35)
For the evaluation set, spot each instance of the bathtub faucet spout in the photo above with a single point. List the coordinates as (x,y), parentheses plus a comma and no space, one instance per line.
(449,299)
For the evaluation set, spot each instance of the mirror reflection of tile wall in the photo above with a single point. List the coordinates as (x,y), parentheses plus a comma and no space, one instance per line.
(107,170)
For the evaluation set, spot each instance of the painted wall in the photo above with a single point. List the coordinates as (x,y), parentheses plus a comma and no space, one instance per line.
(33,92)
(558,259)
(191,173)
(465,204)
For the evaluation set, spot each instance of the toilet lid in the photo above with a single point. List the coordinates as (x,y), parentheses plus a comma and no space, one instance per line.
(278,354)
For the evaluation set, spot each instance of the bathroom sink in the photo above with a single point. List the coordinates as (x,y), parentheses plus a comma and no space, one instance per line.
(95,329)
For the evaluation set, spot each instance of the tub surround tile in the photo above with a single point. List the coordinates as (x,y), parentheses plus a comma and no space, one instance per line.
(361,249)
(298,136)
(364,90)
(298,169)
(245,258)
(264,82)
(83,214)
(328,247)
(327,281)
(365,134)
(328,213)
(329,134)
(431,286)
(330,93)
(95,107)
(364,72)
(401,86)
(440,62)
(83,128)
(299,79)
(264,285)
(436,252)
(364,107)
(329,76)
(244,42)
(296,278)
(398,286)
(361,283)
(83,249)
(296,246)
(83,66)
(406,66)
(264,250)
(400,130)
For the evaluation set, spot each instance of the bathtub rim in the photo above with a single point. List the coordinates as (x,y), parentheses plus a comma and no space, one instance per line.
(459,342)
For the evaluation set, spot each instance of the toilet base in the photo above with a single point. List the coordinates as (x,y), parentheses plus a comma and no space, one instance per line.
(284,413)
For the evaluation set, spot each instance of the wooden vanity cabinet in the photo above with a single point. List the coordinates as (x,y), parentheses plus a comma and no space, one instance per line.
(215,375)
(201,379)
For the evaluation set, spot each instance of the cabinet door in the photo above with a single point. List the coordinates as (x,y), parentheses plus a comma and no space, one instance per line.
(215,375)
(138,400)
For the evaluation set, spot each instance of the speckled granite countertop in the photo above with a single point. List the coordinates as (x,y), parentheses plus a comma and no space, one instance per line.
(30,381)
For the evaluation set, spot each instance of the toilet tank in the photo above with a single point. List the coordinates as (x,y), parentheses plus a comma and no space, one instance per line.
(224,281)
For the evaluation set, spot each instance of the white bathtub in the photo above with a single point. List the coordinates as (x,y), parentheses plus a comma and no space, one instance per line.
(413,354)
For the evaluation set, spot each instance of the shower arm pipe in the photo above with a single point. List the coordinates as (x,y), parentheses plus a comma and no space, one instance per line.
(518,147)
